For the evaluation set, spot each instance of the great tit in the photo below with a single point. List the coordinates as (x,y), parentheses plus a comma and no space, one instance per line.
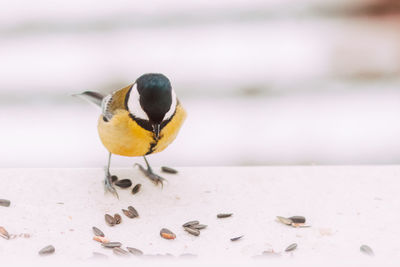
(138,120)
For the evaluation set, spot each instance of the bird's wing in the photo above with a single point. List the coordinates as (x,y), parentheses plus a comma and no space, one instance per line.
(114,102)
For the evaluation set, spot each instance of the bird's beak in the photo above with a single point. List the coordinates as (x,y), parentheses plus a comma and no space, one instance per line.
(156,130)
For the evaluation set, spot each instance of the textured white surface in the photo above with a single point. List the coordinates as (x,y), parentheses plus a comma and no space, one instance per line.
(346,206)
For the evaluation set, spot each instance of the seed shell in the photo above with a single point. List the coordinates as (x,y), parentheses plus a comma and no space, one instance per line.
(109,220)
(224,215)
(190,223)
(117,218)
(192,231)
(135,251)
(237,238)
(168,170)
(47,250)
(134,211)
(136,188)
(198,226)
(97,231)
(100,239)
(167,234)
(4,233)
(284,220)
(120,252)
(5,202)
(298,219)
(111,244)
(291,247)
(124,183)
(367,250)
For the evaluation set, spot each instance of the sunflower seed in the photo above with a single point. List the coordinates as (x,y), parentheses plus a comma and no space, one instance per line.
(111,244)
(109,220)
(124,183)
(224,215)
(47,250)
(98,255)
(297,219)
(114,178)
(136,188)
(117,218)
(192,231)
(134,211)
(367,250)
(4,233)
(291,247)
(190,223)
(167,234)
(128,213)
(198,226)
(237,238)
(120,252)
(284,220)
(135,251)
(97,231)
(5,202)
(168,170)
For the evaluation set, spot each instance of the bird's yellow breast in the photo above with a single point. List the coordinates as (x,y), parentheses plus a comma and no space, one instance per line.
(123,136)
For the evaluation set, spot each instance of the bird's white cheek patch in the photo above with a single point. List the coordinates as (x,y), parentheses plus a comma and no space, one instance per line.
(134,104)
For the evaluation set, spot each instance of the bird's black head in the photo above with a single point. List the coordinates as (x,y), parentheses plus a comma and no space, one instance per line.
(155,95)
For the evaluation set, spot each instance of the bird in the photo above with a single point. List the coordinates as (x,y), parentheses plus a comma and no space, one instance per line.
(140,119)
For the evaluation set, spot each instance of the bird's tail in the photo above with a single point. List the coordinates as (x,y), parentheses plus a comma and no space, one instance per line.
(93,97)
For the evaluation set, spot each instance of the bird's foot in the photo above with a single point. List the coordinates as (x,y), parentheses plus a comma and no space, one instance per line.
(108,187)
(156,179)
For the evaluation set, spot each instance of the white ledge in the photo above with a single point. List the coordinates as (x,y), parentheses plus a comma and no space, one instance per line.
(345,206)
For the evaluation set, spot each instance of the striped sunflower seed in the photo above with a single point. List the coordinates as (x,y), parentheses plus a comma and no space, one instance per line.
(120,252)
(47,250)
(198,226)
(124,183)
(128,213)
(367,250)
(190,223)
(111,244)
(136,188)
(237,238)
(224,215)
(291,247)
(192,231)
(298,219)
(167,234)
(168,170)
(109,220)
(4,233)
(135,251)
(97,231)
(5,202)
(117,218)
(134,211)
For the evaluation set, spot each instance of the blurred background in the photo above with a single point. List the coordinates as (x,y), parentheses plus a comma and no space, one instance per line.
(269,82)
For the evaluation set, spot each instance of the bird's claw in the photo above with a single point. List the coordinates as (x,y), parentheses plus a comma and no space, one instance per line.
(156,179)
(108,187)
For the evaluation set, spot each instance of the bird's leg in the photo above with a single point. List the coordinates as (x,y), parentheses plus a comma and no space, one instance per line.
(156,179)
(107,181)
